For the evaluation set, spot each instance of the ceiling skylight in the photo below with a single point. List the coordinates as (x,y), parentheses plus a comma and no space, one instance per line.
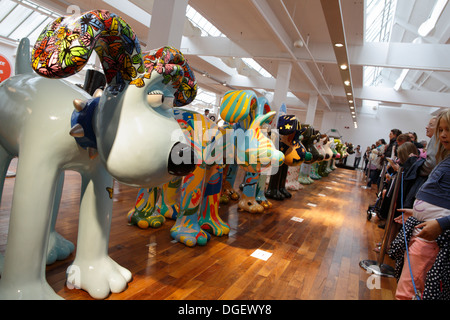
(204,97)
(255,65)
(207,28)
(379,18)
(19,19)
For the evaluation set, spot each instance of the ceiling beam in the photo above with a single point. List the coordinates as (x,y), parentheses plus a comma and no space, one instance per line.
(335,23)
(402,55)
(212,46)
(423,56)
(412,97)
(266,12)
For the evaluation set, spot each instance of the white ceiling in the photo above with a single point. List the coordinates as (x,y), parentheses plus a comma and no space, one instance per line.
(267,29)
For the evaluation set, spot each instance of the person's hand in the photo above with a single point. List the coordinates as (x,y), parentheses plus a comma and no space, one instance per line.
(394,165)
(430,230)
(406,214)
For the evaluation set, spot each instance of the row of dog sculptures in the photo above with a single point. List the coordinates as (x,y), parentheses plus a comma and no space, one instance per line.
(193,201)
(135,132)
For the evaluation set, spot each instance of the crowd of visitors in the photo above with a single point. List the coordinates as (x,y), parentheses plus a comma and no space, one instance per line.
(421,211)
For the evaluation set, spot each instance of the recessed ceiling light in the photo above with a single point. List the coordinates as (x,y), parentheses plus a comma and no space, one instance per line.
(339,45)
(344,67)
(347,83)
(349,94)
(351,101)
(352,108)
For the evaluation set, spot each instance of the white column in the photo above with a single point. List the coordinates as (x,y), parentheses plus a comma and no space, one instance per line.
(311,112)
(282,85)
(167,24)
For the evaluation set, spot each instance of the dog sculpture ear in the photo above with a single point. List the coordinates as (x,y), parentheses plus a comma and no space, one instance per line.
(175,69)
(65,45)
(263,119)
(63,48)
(263,106)
(236,105)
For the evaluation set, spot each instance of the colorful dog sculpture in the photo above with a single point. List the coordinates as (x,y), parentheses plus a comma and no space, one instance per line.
(323,167)
(295,153)
(253,199)
(198,209)
(309,138)
(172,199)
(200,190)
(129,127)
(318,144)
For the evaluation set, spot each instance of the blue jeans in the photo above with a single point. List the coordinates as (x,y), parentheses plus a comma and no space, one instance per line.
(356,164)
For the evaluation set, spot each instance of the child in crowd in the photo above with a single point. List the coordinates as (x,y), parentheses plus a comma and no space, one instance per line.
(430,219)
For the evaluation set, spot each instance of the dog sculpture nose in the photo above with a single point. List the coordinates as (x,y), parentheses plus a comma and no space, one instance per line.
(182,160)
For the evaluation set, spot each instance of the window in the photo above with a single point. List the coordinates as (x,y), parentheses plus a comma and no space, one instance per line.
(379,18)
(207,28)
(23,19)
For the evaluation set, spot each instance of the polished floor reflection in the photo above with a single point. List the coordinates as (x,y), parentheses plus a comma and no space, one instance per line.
(308,247)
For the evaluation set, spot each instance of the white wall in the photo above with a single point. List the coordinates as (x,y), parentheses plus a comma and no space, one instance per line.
(374,124)
(301,116)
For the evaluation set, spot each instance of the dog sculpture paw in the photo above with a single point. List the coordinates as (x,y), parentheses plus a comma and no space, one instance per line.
(98,278)
(31,290)
(188,231)
(250,205)
(58,248)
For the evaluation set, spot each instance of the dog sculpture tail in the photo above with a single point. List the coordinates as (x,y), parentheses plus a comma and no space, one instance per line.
(23,58)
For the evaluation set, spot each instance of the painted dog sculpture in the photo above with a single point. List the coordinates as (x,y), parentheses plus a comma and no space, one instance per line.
(323,172)
(124,127)
(295,152)
(253,199)
(309,138)
(197,206)
(153,206)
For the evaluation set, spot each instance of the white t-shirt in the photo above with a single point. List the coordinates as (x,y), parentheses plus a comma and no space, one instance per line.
(424,211)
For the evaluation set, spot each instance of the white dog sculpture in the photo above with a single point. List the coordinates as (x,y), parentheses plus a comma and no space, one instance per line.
(130,127)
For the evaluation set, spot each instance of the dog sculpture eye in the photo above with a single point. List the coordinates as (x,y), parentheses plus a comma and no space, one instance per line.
(167,103)
(157,99)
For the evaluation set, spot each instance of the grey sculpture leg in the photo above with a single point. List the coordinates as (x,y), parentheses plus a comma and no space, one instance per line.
(23,274)
(58,247)
(5,160)
(93,270)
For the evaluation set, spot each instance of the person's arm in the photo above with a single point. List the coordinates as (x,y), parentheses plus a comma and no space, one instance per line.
(444,223)
(406,214)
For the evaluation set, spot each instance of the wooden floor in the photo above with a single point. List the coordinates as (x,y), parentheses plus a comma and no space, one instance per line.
(316,259)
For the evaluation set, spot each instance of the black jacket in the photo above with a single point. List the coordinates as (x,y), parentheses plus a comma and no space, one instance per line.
(388,150)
